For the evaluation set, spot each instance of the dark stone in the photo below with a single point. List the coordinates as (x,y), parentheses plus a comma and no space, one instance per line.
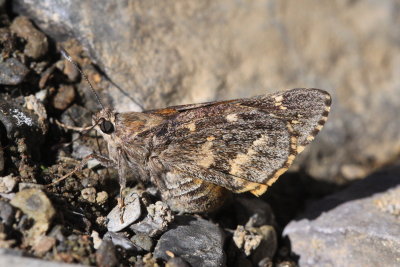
(106,254)
(254,211)
(118,239)
(7,213)
(12,72)
(358,226)
(22,124)
(197,241)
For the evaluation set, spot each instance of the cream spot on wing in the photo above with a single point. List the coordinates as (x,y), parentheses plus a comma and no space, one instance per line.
(282,107)
(294,121)
(278,98)
(327,108)
(290,159)
(210,138)
(300,149)
(240,159)
(232,117)
(207,154)
(310,138)
(243,159)
(191,126)
(319,127)
(260,141)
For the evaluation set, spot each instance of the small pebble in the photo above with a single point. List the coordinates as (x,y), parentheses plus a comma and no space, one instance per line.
(43,245)
(7,213)
(101,197)
(7,183)
(131,212)
(96,239)
(106,254)
(64,97)
(12,72)
(34,203)
(37,43)
(71,71)
(143,241)
(89,194)
(246,240)
(157,220)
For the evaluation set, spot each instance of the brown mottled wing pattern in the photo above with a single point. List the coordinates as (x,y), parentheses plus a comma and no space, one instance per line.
(242,145)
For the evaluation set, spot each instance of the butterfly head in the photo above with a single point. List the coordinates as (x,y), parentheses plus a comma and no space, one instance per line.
(105,121)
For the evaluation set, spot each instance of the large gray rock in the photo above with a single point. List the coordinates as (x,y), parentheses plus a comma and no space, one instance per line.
(170,52)
(356,227)
(197,241)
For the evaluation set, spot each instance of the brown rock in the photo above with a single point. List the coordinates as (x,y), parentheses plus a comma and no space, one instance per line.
(64,97)
(37,43)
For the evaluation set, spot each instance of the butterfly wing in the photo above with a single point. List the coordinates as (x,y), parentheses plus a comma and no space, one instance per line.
(242,145)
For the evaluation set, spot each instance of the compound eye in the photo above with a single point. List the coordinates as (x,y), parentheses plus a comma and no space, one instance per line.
(106,127)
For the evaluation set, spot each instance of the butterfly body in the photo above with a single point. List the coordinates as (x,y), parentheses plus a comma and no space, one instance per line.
(195,154)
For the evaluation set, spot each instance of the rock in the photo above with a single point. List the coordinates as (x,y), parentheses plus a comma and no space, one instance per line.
(142,241)
(120,240)
(253,211)
(7,183)
(106,254)
(259,242)
(64,97)
(267,247)
(179,52)
(101,197)
(12,72)
(36,105)
(358,226)
(246,240)
(71,71)
(7,213)
(23,127)
(131,212)
(37,44)
(96,239)
(197,241)
(157,220)
(89,194)
(34,203)
(43,245)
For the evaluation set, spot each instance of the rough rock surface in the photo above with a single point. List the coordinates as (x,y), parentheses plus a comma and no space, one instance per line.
(171,52)
(358,226)
(195,240)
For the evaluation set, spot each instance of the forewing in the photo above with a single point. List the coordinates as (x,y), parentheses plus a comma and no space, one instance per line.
(243,144)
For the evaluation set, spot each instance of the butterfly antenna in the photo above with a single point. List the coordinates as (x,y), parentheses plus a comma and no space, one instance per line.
(68,57)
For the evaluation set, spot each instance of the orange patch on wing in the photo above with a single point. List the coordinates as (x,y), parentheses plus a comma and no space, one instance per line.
(166,111)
